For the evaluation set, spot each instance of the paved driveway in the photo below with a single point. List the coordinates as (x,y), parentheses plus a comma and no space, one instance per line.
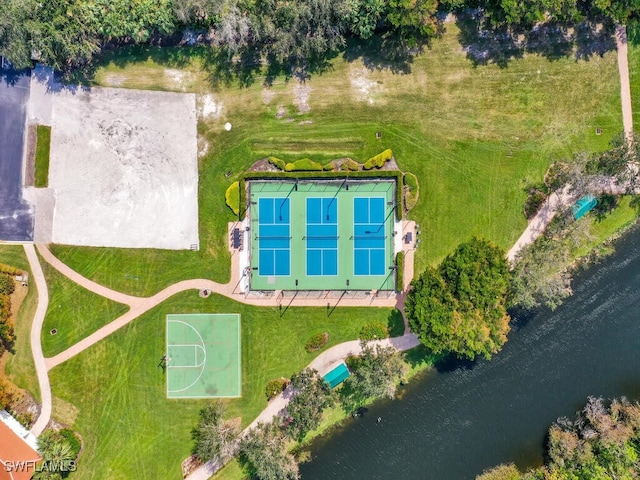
(16,215)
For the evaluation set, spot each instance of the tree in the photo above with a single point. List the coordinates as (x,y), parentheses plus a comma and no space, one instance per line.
(312,396)
(501,472)
(537,277)
(412,20)
(364,16)
(214,438)
(264,452)
(297,31)
(461,306)
(376,372)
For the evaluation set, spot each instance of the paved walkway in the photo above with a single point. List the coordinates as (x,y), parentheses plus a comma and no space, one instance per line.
(323,363)
(625,88)
(36,346)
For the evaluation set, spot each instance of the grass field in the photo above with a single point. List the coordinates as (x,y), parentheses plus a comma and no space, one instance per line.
(130,428)
(73,311)
(43,142)
(20,367)
(476,137)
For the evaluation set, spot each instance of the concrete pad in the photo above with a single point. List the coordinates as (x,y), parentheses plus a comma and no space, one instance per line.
(124,168)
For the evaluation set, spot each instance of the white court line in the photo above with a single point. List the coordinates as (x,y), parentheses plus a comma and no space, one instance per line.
(202,345)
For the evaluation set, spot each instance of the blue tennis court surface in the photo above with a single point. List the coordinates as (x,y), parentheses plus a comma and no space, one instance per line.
(274,232)
(322,236)
(369,236)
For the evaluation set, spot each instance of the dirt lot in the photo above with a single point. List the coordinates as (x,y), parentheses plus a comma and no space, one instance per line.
(124,168)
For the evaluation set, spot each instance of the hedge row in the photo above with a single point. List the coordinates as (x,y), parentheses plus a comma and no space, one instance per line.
(399,271)
(397,174)
(242,187)
(379,160)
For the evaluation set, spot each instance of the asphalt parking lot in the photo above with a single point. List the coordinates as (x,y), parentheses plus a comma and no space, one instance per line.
(16,215)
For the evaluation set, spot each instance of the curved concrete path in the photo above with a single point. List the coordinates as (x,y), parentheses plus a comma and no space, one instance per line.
(36,346)
(625,86)
(323,363)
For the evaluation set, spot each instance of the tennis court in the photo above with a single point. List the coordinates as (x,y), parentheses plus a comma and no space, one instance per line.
(322,234)
(203,356)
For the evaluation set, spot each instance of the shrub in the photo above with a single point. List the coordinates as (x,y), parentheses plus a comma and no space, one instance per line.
(317,342)
(350,165)
(374,331)
(303,165)
(379,160)
(411,190)
(275,387)
(276,162)
(533,203)
(400,271)
(329,167)
(72,439)
(7,285)
(232,197)
(9,270)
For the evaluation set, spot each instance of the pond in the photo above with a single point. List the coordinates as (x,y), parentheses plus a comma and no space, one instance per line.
(461,418)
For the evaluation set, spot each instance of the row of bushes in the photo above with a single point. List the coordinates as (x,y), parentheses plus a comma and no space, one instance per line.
(9,269)
(379,160)
(308,165)
(399,271)
(322,176)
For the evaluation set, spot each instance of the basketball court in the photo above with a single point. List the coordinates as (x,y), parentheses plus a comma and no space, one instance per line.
(203,356)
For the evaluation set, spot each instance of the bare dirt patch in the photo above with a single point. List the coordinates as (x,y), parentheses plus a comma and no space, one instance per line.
(267,95)
(365,89)
(301,98)
(180,79)
(209,108)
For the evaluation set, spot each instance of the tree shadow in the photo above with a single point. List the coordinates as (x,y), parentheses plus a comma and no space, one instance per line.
(395,323)
(379,52)
(452,363)
(490,44)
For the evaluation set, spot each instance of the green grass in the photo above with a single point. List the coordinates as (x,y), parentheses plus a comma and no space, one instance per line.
(20,367)
(43,142)
(601,230)
(476,137)
(73,311)
(131,430)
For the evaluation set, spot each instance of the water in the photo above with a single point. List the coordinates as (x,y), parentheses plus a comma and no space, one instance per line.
(456,421)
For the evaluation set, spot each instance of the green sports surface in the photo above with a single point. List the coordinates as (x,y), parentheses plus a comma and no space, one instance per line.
(203,356)
(312,234)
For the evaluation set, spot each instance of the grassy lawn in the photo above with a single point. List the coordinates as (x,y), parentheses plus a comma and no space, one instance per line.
(476,137)
(73,311)
(20,367)
(41,175)
(117,391)
(601,230)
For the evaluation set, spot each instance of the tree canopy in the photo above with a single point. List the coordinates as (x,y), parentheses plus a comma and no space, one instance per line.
(214,438)
(460,307)
(264,452)
(312,395)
